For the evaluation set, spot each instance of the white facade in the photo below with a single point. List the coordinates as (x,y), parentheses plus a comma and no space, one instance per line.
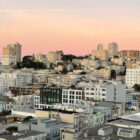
(110,92)
(5,83)
(95,92)
(14,79)
(71,96)
(132,77)
(23,101)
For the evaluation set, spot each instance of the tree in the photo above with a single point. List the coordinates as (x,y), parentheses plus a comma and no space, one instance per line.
(28,118)
(73,86)
(12,128)
(113,74)
(137,87)
(64,71)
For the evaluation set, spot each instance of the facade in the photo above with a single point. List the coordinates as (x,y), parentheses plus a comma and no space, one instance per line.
(17,48)
(132,76)
(100,54)
(8,60)
(54,57)
(5,83)
(130,54)
(113,49)
(106,73)
(11,54)
(72,96)
(116,92)
(6,103)
(50,126)
(3,68)
(42,58)
(2,106)
(127,133)
(50,96)
(95,92)
(109,92)
(14,79)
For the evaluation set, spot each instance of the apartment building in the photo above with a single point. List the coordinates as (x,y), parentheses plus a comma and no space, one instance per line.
(106,91)
(132,76)
(72,96)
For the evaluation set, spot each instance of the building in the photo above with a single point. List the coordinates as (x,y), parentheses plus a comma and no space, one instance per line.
(104,72)
(6,103)
(132,76)
(47,97)
(116,92)
(100,47)
(106,91)
(11,54)
(127,133)
(16,78)
(55,57)
(72,96)
(132,54)
(23,112)
(8,60)
(17,48)
(4,68)
(24,135)
(50,126)
(113,49)
(100,54)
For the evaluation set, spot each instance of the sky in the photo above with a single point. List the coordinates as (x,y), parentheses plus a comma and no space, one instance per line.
(74,26)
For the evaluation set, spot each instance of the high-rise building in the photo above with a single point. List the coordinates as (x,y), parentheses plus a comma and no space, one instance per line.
(113,49)
(17,48)
(11,54)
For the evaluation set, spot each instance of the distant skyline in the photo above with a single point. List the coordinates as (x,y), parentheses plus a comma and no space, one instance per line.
(74,26)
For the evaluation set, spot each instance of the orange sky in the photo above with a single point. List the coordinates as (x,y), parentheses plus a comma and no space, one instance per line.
(76,31)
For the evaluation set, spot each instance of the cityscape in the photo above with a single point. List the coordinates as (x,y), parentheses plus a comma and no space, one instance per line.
(64,76)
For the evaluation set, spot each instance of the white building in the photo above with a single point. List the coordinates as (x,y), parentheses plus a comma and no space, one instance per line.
(106,91)
(16,78)
(5,83)
(72,96)
(132,76)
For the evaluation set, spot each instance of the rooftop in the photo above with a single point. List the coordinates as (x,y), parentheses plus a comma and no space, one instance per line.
(92,134)
(19,135)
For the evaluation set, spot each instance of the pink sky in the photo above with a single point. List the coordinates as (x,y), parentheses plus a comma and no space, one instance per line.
(41,31)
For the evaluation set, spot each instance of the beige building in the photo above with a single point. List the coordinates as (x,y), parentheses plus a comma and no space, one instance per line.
(113,49)
(54,57)
(17,47)
(9,50)
(11,54)
(68,133)
(103,72)
(40,57)
(100,53)
(118,61)
(8,60)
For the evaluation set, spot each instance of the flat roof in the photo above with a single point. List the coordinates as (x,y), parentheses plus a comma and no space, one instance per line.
(132,117)
(20,135)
